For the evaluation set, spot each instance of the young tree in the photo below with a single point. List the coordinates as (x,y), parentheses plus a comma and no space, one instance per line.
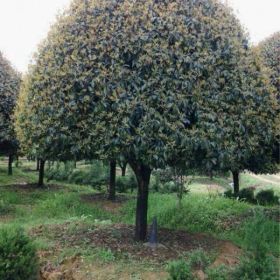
(156,82)
(9,88)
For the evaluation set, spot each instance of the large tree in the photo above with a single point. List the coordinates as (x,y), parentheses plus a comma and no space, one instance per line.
(156,83)
(9,89)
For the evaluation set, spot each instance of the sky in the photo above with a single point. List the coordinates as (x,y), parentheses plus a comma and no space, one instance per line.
(25,23)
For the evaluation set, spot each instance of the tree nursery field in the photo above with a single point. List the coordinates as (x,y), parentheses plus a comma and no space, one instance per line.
(79,234)
(141,142)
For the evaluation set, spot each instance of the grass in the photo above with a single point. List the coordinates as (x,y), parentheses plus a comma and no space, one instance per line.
(200,211)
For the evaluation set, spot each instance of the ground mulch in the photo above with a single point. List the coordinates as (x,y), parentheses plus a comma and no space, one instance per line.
(120,239)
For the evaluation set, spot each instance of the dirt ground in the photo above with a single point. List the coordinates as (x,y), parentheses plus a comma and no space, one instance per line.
(119,239)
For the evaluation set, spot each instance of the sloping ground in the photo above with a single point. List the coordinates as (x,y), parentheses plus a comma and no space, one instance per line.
(118,238)
(270,179)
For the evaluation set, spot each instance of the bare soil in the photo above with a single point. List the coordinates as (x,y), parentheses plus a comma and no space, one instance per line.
(119,239)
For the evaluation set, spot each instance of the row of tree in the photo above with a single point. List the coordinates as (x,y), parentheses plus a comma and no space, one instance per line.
(155,84)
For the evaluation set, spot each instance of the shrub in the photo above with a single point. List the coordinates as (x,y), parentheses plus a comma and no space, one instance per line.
(126,183)
(252,268)
(247,194)
(229,194)
(217,273)
(96,176)
(179,270)
(198,259)
(18,258)
(267,197)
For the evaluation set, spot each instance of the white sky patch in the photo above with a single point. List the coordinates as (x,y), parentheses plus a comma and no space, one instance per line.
(25,23)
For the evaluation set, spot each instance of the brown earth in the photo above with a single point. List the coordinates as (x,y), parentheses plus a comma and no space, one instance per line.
(119,239)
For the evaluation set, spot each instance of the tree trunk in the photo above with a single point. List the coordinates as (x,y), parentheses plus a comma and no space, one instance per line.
(10,165)
(112,183)
(235,176)
(123,167)
(41,173)
(38,165)
(143,174)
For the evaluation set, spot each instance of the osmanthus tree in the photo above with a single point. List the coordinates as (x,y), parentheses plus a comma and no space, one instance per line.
(270,53)
(34,129)
(9,89)
(153,82)
(269,50)
(243,125)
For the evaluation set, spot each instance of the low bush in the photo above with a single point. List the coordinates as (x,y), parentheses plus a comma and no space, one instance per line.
(198,259)
(252,268)
(96,175)
(126,183)
(179,270)
(229,194)
(218,273)
(18,259)
(267,197)
(247,194)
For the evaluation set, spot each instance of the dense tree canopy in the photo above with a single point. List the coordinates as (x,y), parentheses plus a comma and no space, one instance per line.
(270,54)
(156,82)
(9,88)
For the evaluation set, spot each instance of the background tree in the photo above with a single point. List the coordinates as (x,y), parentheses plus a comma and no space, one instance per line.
(243,122)
(157,82)
(9,88)
(270,53)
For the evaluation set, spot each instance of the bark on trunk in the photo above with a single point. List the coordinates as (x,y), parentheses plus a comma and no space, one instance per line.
(10,165)
(123,167)
(38,165)
(112,183)
(235,176)
(41,173)
(143,174)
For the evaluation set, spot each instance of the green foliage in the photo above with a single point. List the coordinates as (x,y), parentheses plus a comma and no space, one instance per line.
(263,197)
(106,255)
(252,268)
(247,194)
(18,259)
(179,270)
(218,273)
(267,197)
(96,175)
(123,184)
(66,205)
(5,207)
(148,97)
(198,213)
(198,259)
(259,234)
(270,52)
(9,89)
